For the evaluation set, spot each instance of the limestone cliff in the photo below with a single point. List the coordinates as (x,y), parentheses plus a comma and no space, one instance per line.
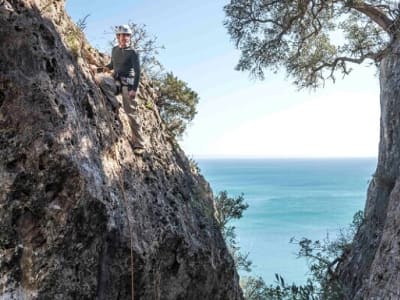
(372,268)
(79,212)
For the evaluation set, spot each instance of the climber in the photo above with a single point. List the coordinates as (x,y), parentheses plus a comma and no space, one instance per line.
(125,81)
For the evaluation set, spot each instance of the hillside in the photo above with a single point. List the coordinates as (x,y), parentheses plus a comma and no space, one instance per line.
(80,213)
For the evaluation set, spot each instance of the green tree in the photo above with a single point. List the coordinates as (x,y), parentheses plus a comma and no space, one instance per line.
(322,257)
(312,39)
(255,288)
(316,40)
(226,210)
(176,102)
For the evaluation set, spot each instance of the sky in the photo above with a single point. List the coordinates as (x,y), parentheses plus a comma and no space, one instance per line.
(237,116)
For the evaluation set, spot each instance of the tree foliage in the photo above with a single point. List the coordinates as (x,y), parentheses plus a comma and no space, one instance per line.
(82,23)
(176,102)
(322,257)
(256,289)
(312,39)
(226,210)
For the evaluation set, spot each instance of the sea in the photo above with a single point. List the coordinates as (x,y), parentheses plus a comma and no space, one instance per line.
(289,198)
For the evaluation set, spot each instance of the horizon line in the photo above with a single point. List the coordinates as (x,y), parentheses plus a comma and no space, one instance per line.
(277,157)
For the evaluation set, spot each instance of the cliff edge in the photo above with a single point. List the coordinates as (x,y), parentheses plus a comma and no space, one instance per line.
(82,216)
(371,268)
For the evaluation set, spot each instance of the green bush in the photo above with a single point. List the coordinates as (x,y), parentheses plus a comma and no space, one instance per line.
(322,257)
(176,102)
(227,209)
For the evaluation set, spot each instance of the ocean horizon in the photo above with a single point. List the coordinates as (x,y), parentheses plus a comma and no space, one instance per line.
(289,197)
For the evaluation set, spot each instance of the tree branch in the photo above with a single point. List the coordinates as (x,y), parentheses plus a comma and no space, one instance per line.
(341,60)
(374,13)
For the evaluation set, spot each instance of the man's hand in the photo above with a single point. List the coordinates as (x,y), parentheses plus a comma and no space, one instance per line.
(132,94)
(106,69)
(93,69)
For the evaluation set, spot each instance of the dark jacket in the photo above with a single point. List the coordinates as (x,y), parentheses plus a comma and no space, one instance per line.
(125,63)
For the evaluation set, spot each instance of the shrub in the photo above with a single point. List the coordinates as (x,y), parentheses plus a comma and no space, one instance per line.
(227,209)
(322,259)
(177,103)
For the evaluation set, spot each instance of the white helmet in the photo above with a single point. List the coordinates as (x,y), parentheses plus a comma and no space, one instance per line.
(123,29)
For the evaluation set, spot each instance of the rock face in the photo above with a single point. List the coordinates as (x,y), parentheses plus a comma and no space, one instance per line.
(79,212)
(372,269)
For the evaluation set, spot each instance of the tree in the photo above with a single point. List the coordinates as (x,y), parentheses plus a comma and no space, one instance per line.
(312,39)
(176,102)
(254,288)
(227,209)
(323,282)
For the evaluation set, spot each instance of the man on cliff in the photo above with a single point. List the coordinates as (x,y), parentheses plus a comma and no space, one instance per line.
(125,81)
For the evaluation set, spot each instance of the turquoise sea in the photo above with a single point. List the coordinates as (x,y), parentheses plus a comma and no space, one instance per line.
(289,198)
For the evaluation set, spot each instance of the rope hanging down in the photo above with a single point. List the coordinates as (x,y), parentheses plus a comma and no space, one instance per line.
(120,182)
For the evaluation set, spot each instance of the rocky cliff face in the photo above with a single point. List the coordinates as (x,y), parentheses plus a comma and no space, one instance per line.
(372,269)
(79,212)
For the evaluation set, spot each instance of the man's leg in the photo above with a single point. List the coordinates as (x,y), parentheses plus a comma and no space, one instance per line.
(130,106)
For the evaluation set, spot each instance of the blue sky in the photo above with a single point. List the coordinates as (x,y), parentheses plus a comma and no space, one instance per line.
(238,117)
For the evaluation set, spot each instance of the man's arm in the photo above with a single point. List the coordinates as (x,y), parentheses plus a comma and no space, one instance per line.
(110,66)
(135,71)
(107,68)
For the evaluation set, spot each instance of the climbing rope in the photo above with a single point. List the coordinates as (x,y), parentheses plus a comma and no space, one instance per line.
(120,182)
(126,206)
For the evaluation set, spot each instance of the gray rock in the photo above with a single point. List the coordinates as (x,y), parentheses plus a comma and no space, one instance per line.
(79,211)
(371,269)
